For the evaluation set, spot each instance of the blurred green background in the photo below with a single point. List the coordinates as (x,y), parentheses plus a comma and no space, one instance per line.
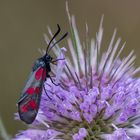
(23,22)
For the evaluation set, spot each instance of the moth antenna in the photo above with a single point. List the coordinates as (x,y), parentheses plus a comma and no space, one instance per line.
(58,40)
(53,37)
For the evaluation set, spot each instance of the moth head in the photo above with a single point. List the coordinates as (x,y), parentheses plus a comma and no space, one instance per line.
(48,58)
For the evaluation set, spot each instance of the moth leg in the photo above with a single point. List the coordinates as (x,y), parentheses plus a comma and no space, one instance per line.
(53,81)
(55,61)
(46,92)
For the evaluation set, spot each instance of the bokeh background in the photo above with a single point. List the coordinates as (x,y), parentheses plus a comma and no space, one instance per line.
(23,22)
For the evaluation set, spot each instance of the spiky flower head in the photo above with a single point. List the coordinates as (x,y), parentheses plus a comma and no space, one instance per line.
(98,96)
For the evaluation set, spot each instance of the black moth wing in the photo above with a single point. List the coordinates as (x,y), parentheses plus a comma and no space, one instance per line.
(29,101)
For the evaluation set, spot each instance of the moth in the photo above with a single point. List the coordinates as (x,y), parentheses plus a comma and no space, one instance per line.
(29,100)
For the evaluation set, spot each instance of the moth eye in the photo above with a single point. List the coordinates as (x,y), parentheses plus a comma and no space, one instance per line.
(48,58)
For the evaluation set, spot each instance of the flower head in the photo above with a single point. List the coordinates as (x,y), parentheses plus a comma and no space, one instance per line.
(98,96)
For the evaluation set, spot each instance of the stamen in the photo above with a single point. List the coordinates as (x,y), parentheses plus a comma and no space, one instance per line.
(71,74)
(86,73)
(78,80)
(60,65)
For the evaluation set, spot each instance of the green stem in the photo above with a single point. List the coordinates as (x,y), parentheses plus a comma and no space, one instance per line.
(3,131)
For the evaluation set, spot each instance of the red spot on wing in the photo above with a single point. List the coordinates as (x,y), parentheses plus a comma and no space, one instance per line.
(38,74)
(37,90)
(24,108)
(32,104)
(30,90)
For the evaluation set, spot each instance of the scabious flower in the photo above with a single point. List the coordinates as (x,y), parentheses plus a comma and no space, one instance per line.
(98,96)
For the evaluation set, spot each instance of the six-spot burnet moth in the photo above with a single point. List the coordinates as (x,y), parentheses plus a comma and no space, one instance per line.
(29,101)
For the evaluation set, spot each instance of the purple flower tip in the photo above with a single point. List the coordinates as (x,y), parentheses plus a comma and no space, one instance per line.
(98,96)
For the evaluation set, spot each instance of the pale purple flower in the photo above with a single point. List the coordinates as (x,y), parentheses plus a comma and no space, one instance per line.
(98,96)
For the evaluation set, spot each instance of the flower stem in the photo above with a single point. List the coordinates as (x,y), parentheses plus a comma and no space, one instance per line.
(3,131)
